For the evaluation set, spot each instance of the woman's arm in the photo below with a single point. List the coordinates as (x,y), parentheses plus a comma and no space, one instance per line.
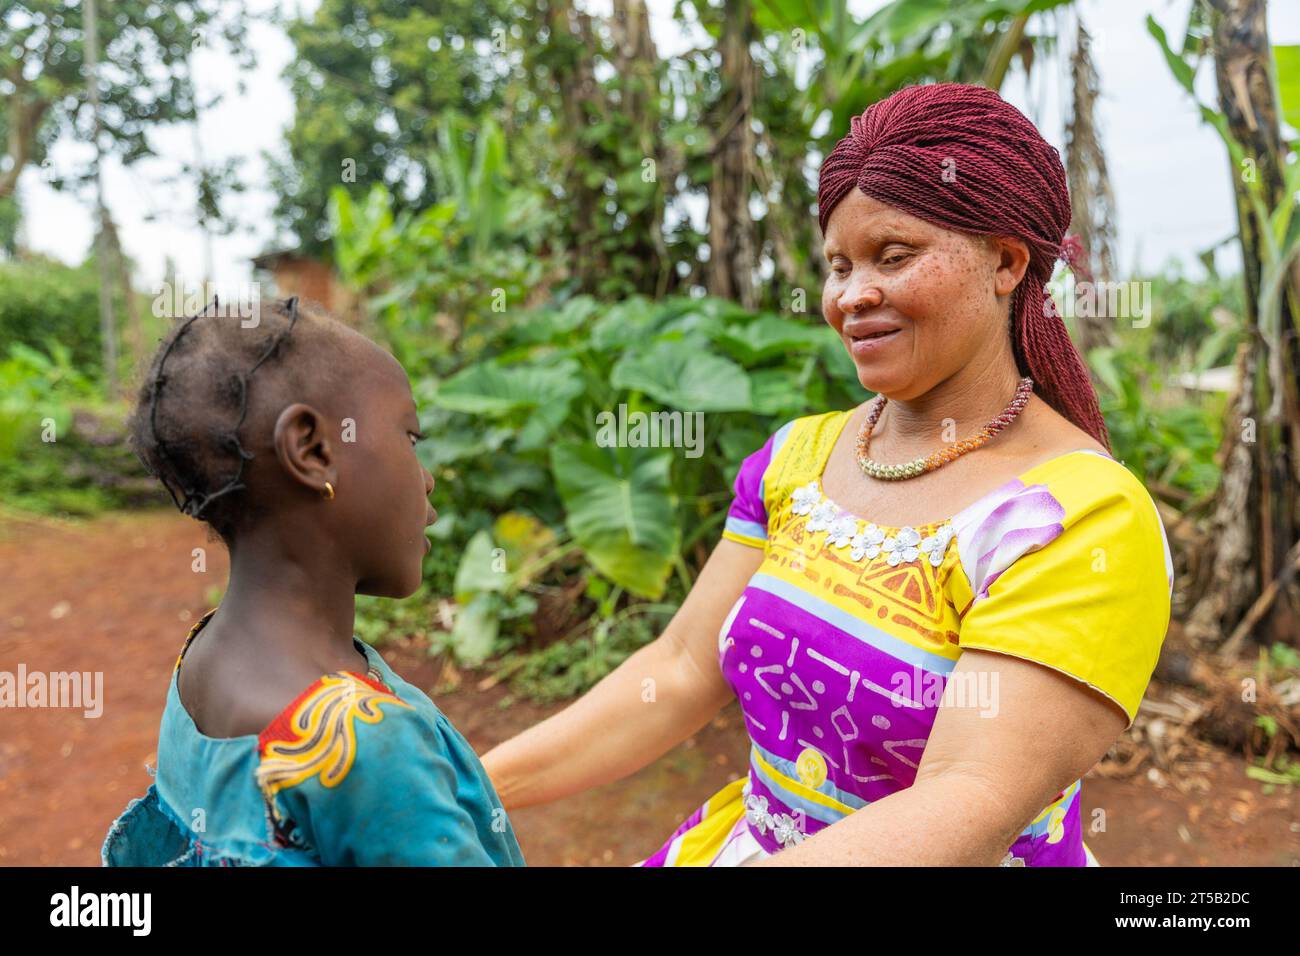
(992,762)
(657,698)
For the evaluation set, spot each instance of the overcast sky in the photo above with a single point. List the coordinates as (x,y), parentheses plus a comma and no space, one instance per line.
(1168,169)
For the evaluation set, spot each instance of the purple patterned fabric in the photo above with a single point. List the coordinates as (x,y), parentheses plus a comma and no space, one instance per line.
(840,659)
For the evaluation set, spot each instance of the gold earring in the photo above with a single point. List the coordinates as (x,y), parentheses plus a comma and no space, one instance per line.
(328,493)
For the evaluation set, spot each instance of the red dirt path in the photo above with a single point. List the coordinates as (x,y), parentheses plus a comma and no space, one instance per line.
(118,595)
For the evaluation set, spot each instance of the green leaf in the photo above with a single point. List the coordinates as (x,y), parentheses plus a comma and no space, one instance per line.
(1102,361)
(621,511)
(777,392)
(534,397)
(1287,59)
(770,336)
(477,573)
(907,18)
(679,375)
(1268,776)
(1182,70)
(475,631)
(509,477)
(624,323)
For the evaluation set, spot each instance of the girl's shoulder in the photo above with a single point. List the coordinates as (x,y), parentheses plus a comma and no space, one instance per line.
(354,754)
(230,698)
(320,736)
(359,768)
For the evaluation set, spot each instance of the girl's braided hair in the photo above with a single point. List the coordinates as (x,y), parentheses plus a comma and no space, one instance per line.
(195,399)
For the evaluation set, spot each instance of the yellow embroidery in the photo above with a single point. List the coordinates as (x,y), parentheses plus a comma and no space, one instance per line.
(811,767)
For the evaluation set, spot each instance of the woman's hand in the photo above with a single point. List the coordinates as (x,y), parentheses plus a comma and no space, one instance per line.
(999,752)
(657,698)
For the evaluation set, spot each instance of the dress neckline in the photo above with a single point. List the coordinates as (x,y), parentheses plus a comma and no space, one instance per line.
(847,415)
(374,673)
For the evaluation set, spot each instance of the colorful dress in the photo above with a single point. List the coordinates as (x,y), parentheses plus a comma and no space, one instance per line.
(359,770)
(841,645)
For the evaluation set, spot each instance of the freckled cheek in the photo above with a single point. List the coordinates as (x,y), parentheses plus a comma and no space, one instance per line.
(932,310)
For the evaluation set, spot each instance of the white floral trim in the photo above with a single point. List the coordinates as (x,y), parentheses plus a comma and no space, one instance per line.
(785,828)
(867,540)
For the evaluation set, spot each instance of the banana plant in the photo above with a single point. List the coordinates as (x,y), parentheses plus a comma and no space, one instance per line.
(1279,244)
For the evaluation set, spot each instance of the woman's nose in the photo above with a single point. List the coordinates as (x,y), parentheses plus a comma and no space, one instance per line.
(428,482)
(859,296)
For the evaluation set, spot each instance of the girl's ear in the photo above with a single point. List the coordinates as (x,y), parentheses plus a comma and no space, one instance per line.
(303,449)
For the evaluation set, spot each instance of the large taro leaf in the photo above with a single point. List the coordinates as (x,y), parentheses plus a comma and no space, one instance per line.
(550,325)
(678,374)
(535,398)
(474,633)
(621,511)
(480,569)
(770,336)
(777,392)
(625,323)
(524,540)
(1287,61)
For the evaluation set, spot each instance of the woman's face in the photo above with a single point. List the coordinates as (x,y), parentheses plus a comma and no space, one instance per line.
(942,297)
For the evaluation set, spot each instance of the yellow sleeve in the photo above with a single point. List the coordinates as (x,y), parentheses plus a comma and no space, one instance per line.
(1073,573)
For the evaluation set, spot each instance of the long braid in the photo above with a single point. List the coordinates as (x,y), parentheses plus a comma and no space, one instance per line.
(962,158)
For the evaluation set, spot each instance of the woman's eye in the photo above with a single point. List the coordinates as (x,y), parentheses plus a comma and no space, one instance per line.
(896,257)
(415,437)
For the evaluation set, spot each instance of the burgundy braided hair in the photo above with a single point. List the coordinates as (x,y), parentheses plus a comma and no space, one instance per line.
(1006,180)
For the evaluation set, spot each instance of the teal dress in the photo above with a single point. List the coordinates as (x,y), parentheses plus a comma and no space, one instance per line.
(359,770)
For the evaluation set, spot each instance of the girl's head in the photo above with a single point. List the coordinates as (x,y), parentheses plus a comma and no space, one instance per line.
(292,436)
(943,212)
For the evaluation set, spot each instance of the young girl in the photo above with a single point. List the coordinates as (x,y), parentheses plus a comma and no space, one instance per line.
(285,740)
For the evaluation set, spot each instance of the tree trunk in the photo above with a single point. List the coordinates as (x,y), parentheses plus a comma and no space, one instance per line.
(568,52)
(132,333)
(1092,203)
(1255,520)
(732,258)
(636,60)
(24,122)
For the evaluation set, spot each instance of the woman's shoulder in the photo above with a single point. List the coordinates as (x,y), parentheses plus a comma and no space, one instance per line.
(1081,503)
(791,455)
(1068,565)
(800,443)
(1062,462)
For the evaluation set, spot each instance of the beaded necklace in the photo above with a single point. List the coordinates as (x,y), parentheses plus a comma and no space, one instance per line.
(919,466)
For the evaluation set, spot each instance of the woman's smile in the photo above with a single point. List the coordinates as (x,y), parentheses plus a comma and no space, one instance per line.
(872,343)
